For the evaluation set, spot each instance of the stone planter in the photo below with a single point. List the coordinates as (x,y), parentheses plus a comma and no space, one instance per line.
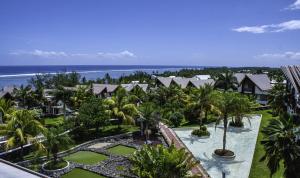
(224,157)
(56,170)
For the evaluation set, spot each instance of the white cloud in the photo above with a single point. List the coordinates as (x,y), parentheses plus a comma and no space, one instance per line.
(294,6)
(281,27)
(40,53)
(123,54)
(285,55)
(54,54)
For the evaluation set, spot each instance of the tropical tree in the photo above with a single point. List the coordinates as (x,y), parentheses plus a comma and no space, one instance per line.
(278,99)
(226,80)
(241,105)
(56,139)
(64,95)
(94,113)
(149,116)
(121,109)
(225,105)
(159,161)
(6,107)
(23,128)
(204,101)
(25,96)
(281,145)
(80,95)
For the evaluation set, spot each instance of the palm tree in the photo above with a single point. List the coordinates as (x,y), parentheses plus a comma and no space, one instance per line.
(6,107)
(277,99)
(25,96)
(225,105)
(160,161)
(204,101)
(121,108)
(281,145)
(80,96)
(23,128)
(64,95)
(148,116)
(226,81)
(241,105)
(56,140)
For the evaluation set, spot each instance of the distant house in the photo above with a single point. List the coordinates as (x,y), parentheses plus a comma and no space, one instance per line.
(292,75)
(258,85)
(52,107)
(104,90)
(202,77)
(183,82)
(7,93)
(131,86)
(163,81)
(199,83)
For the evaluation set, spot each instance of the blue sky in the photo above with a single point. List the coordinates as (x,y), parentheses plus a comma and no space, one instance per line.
(152,32)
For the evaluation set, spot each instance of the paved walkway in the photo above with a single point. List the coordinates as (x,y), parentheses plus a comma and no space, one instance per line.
(170,137)
(240,140)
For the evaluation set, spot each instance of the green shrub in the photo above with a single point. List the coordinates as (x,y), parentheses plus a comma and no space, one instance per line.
(176,119)
(201,132)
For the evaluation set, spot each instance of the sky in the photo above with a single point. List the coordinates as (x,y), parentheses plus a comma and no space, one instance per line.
(150,32)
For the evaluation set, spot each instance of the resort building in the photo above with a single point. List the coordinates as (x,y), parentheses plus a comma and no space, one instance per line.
(133,85)
(258,85)
(292,75)
(183,82)
(7,92)
(104,90)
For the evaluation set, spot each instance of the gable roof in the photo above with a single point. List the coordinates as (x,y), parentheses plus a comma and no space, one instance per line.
(262,81)
(131,86)
(166,81)
(239,77)
(182,82)
(98,88)
(199,83)
(292,74)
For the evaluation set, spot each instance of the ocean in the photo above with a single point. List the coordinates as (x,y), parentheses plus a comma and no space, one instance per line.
(19,75)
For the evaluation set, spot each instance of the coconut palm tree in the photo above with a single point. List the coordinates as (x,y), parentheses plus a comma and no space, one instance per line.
(160,161)
(64,95)
(148,116)
(6,107)
(281,145)
(225,105)
(204,101)
(277,99)
(121,108)
(226,80)
(25,96)
(56,140)
(23,128)
(241,105)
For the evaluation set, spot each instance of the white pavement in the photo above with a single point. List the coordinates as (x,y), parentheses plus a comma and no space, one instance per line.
(241,141)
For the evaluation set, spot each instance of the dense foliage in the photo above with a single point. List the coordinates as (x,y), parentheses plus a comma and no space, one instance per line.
(151,162)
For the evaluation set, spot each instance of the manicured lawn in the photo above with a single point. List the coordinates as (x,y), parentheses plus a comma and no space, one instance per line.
(80,173)
(121,150)
(86,157)
(59,165)
(53,122)
(260,169)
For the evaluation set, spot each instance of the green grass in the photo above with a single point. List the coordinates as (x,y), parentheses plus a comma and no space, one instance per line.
(54,122)
(120,168)
(260,169)
(121,150)
(80,173)
(86,157)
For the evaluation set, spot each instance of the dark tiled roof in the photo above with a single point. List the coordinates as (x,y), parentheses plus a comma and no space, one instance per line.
(292,73)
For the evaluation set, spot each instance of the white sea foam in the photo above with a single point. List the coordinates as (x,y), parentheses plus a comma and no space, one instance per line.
(84,72)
